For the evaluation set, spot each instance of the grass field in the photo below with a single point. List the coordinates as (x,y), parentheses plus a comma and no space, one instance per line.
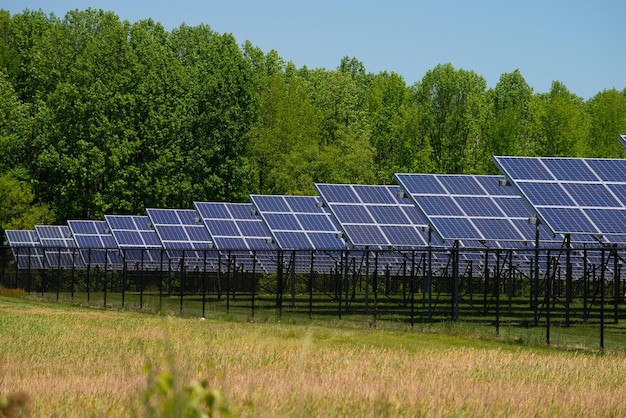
(76,361)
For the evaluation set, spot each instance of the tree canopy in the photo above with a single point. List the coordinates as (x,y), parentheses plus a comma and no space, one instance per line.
(99,115)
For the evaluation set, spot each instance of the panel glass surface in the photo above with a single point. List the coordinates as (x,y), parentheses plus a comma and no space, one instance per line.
(233,226)
(585,196)
(469,208)
(299,222)
(137,239)
(59,246)
(96,243)
(26,248)
(375,216)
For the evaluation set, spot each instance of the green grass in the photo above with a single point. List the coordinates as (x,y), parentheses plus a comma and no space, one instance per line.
(82,361)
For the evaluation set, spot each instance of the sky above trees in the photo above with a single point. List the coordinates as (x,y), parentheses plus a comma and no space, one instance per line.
(578,43)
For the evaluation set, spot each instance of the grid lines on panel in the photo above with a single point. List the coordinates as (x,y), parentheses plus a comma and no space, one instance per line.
(471,208)
(26,248)
(59,246)
(183,235)
(137,240)
(374,216)
(573,195)
(232,226)
(96,243)
(299,222)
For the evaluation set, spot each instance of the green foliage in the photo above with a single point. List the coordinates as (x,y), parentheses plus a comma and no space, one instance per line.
(164,398)
(18,206)
(99,115)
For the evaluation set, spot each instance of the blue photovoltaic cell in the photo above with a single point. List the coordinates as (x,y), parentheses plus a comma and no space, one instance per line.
(96,243)
(591,195)
(59,246)
(351,214)
(233,226)
(569,169)
(461,185)
(468,208)
(137,240)
(622,139)
(292,224)
(375,216)
(26,248)
(585,196)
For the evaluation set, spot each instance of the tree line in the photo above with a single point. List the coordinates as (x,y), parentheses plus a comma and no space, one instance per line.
(100,115)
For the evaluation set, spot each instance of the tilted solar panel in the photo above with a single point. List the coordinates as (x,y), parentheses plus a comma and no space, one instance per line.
(622,139)
(138,241)
(26,248)
(573,195)
(59,246)
(299,222)
(239,234)
(183,235)
(469,208)
(374,216)
(96,244)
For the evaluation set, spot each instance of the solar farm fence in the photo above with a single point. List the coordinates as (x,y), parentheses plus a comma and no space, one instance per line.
(510,286)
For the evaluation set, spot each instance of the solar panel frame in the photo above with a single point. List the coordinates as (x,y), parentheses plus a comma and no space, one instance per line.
(137,240)
(184,236)
(96,244)
(26,248)
(237,232)
(292,236)
(595,190)
(468,207)
(374,216)
(59,246)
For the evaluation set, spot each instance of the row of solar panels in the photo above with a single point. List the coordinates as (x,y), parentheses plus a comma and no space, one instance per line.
(582,199)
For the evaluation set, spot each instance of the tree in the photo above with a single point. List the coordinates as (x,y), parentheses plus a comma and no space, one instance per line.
(452,117)
(393,115)
(18,207)
(285,145)
(563,123)
(222,93)
(607,113)
(510,125)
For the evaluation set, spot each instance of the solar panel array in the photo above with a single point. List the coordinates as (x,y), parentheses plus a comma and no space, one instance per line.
(581,199)
(234,226)
(184,236)
(572,195)
(137,239)
(26,247)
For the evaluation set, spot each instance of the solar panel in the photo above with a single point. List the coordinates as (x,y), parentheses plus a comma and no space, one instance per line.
(299,222)
(374,216)
(59,246)
(183,235)
(573,195)
(137,239)
(469,208)
(622,139)
(26,248)
(96,243)
(233,226)
(239,233)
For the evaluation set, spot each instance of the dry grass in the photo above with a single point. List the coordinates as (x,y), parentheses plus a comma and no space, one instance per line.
(77,363)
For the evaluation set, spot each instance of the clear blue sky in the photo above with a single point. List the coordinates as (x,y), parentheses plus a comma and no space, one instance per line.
(579,43)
